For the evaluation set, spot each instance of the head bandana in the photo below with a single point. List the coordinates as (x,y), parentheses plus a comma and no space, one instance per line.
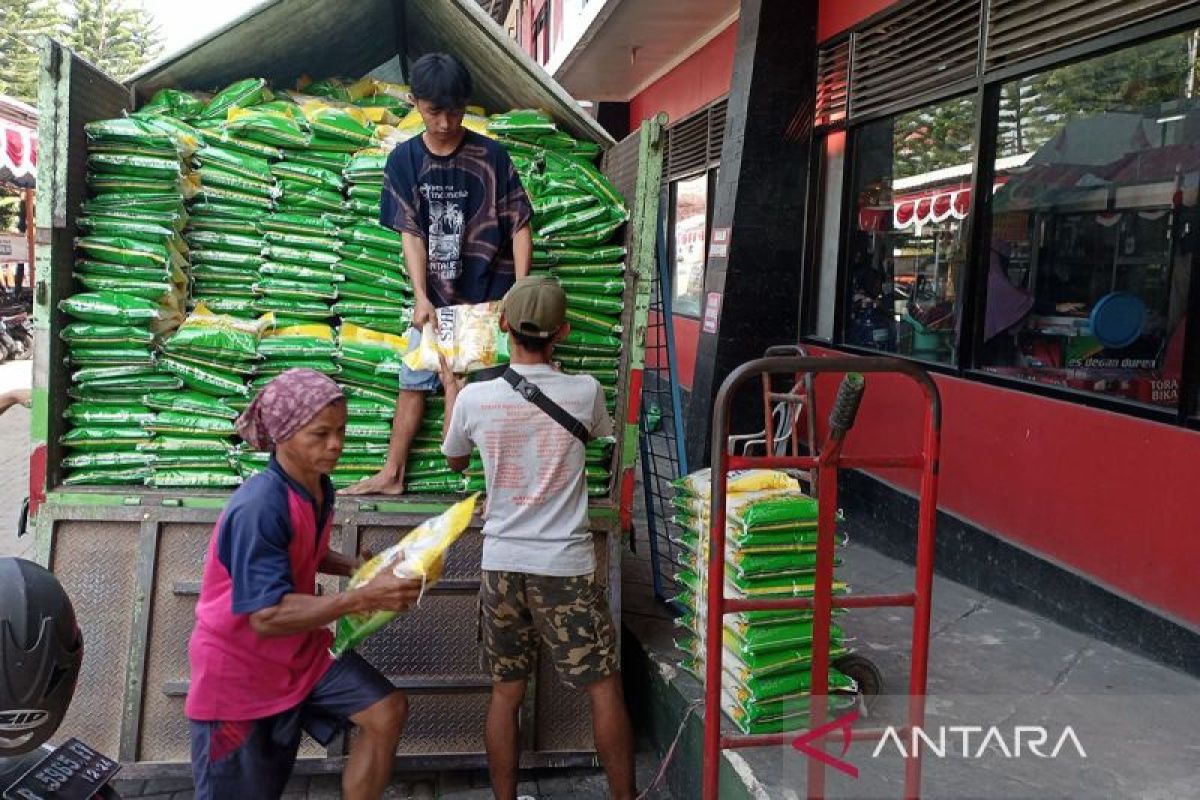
(284,406)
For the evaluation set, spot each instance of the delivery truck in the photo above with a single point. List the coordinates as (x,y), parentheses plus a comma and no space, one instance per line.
(131,557)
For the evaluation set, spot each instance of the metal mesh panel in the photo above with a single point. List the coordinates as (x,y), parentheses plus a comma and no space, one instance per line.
(1019,29)
(95,563)
(438,638)
(921,47)
(564,719)
(444,723)
(164,731)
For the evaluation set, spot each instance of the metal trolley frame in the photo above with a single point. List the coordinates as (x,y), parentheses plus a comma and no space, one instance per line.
(823,466)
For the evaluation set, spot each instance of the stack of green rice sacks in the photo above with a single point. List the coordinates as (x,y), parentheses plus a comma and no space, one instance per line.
(376,293)
(369,373)
(215,356)
(251,202)
(577,214)
(233,187)
(132,266)
(770,553)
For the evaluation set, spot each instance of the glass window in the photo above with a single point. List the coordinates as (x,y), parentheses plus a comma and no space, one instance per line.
(689,220)
(1094,223)
(908,241)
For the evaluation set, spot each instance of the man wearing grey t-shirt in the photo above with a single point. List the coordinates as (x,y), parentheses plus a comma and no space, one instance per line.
(539,565)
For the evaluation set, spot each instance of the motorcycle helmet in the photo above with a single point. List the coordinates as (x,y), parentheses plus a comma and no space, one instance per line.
(41,650)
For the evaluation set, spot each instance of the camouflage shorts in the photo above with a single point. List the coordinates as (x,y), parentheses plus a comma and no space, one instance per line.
(570,615)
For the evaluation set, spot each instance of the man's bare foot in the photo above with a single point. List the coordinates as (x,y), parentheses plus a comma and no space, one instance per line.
(383,483)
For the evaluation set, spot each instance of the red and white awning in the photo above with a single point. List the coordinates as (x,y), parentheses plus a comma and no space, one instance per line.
(920,209)
(18,156)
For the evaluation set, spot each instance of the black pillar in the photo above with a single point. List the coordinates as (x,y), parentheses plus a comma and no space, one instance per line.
(761,198)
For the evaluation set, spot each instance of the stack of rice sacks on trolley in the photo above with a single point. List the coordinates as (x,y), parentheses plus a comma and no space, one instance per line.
(771,541)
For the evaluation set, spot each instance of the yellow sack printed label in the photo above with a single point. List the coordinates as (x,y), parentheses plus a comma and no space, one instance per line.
(467,336)
(699,483)
(355,334)
(420,554)
(314,331)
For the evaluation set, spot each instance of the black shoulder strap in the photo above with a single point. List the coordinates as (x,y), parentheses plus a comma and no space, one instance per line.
(533,394)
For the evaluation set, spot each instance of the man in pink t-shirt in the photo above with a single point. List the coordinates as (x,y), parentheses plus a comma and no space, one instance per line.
(260,665)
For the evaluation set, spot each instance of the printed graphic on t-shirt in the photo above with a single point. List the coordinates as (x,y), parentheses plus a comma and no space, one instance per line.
(446,225)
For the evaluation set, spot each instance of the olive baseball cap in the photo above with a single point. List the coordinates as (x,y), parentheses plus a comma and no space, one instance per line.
(535,306)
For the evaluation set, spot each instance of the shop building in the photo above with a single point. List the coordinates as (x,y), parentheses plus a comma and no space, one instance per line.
(1005,192)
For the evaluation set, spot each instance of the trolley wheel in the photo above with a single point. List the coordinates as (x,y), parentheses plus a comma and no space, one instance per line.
(865,674)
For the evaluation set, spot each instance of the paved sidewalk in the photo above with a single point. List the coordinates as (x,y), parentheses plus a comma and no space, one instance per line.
(991,663)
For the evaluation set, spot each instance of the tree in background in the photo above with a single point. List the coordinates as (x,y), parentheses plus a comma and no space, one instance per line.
(118,36)
(22,23)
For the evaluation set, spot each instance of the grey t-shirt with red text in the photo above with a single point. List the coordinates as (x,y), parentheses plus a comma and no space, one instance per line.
(536,519)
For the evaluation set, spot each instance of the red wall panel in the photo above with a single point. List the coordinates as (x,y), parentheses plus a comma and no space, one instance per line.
(687,336)
(697,81)
(1108,496)
(835,16)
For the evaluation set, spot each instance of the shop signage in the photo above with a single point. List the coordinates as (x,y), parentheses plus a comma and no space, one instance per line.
(719,248)
(712,312)
(14,247)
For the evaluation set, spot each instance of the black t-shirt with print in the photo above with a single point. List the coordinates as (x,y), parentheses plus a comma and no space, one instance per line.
(466,206)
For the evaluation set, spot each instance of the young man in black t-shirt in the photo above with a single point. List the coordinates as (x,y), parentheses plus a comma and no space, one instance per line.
(458,203)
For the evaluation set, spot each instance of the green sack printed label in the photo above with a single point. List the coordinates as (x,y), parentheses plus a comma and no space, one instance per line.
(99,356)
(240,94)
(88,333)
(103,436)
(373,235)
(316,259)
(106,460)
(593,322)
(326,160)
(303,242)
(194,479)
(100,268)
(122,250)
(185,423)
(180,445)
(203,240)
(207,381)
(322,278)
(298,224)
(219,178)
(247,166)
(91,414)
(193,403)
(127,229)
(276,130)
(308,175)
(374,257)
(298,309)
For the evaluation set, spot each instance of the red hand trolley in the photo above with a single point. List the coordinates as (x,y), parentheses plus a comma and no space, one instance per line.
(823,467)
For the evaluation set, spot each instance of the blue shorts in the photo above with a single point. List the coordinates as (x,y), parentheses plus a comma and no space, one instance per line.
(254,758)
(417,380)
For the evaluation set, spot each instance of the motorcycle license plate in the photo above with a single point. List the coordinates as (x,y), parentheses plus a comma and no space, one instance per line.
(73,771)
